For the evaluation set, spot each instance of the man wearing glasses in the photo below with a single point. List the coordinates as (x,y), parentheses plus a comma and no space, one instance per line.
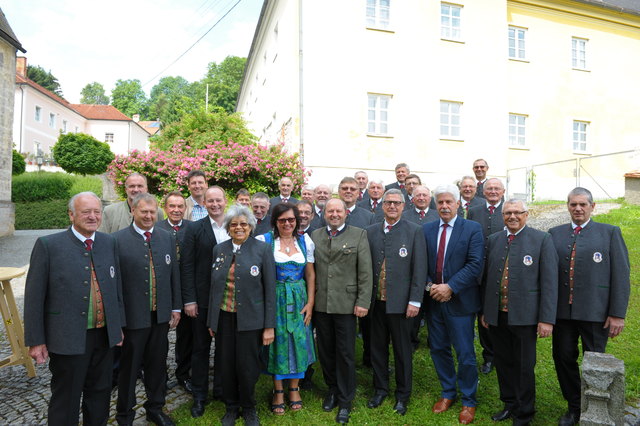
(398,253)
(480,168)
(356,216)
(520,302)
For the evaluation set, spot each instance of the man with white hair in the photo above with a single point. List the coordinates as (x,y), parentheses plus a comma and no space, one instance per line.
(455,249)
(363,180)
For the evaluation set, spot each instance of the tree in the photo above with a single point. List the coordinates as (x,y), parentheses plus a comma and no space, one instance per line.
(82,154)
(44,79)
(172,98)
(203,128)
(93,93)
(224,82)
(18,164)
(129,98)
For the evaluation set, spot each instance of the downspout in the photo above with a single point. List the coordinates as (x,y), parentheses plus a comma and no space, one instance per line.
(21,115)
(300,83)
(129,141)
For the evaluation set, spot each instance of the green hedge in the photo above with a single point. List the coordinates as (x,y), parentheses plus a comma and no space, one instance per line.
(42,215)
(41,186)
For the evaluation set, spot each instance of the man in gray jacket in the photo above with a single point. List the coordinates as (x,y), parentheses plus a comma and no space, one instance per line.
(152,301)
(343,293)
(593,275)
(73,313)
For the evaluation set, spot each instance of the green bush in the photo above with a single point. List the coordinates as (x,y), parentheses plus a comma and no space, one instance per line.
(41,186)
(86,183)
(42,215)
(19,165)
(82,154)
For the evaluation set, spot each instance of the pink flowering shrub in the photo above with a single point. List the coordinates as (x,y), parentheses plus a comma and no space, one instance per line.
(228,164)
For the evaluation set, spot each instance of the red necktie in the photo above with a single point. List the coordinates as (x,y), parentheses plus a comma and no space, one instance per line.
(389,227)
(333,233)
(348,212)
(301,233)
(259,221)
(402,186)
(360,196)
(89,243)
(176,228)
(510,238)
(577,229)
(479,183)
(147,236)
(440,258)
(375,204)
(492,209)
(421,214)
(285,200)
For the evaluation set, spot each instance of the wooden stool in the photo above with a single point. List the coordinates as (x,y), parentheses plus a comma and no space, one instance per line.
(13,323)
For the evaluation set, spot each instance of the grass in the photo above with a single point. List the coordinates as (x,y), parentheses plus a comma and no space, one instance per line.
(86,183)
(426,388)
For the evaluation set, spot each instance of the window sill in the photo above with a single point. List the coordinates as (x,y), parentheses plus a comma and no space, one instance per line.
(526,61)
(584,153)
(452,40)
(379,136)
(580,69)
(451,139)
(519,148)
(382,30)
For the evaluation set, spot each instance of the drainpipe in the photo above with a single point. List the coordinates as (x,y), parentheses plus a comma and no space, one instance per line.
(21,115)
(300,83)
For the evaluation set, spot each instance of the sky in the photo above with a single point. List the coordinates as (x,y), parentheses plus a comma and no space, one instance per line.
(82,41)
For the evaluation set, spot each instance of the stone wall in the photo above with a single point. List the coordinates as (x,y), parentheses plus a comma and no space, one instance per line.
(7,94)
(632,188)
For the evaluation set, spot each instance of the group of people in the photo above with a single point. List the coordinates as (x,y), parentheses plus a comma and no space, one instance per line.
(281,282)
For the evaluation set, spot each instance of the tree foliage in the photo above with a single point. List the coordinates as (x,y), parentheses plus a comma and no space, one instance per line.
(82,154)
(171,98)
(224,81)
(202,128)
(93,93)
(19,166)
(129,98)
(44,78)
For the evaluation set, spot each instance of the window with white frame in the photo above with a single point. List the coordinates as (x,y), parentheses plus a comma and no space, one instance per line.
(450,120)
(579,53)
(378,13)
(378,114)
(108,137)
(517,43)
(52,120)
(38,114)
(450,25)
(65,124)
(517,130)
(580,129)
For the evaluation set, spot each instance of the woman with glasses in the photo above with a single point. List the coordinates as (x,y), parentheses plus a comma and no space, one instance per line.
(241,311)
(293,349)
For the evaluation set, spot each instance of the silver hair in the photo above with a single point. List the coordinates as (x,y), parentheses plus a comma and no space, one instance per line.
(422,187)
(308,187)
(377,181)
(580,191)
(393,191)
(447,189)
(467,177)
(72,202)
(145,196)
(517,201)
(238,210)
(405,165)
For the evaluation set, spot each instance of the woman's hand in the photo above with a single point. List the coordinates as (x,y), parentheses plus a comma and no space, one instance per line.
(307,313)
(268,334)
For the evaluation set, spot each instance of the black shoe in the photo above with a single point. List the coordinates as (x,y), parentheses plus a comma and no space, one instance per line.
(502,415)
(569,419)
(486,367)
(159,418)
(230,416)
(250,417)
(343,415)
(330,402)
(400,407)
(307,383)
(186,385)
(376,400)
(197,409)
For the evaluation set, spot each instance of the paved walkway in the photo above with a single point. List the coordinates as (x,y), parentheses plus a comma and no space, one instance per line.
(23,400)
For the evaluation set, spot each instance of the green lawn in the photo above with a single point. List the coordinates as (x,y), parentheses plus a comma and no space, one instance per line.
(426,389)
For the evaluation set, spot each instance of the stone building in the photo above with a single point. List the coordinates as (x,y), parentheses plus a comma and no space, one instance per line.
(9,45)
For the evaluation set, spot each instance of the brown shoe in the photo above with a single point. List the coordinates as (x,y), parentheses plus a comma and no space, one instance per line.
(442,405)
(466,415)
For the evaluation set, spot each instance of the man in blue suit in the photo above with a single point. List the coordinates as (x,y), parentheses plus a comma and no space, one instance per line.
(455,249)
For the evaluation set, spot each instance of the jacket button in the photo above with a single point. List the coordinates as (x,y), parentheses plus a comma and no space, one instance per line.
(146,281)
(83,313)
(146,293)
(146,268)
(85,298)
(86,254)
(146,255)
(85,282)
(86,268)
